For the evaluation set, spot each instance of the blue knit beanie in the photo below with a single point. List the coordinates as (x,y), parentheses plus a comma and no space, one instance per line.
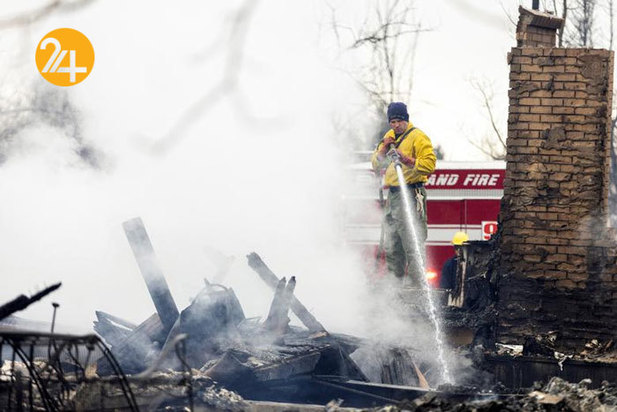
(398,110)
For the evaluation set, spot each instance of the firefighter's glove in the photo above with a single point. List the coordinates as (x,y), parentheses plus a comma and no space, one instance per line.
(419,203)
(407,161)
(385,146)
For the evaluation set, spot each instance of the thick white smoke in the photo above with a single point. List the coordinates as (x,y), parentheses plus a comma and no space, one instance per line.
(257,170)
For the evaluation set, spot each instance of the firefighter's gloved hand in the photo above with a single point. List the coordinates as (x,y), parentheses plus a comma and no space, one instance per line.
(387,142)
(407,161)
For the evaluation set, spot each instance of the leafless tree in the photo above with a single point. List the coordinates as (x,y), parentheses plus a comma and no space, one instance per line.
(580,17)
(221,88)
(391,39)
(493,143)
(563,14)
(30,16)
(386,41)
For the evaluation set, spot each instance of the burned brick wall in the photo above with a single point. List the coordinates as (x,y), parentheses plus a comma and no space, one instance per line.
(557,256)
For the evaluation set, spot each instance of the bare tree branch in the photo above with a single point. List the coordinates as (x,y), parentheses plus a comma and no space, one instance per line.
(386,40)
(494,147)
(227,85)
(48,106)
(488,148)
(508,15)
(487,101)
(580,29)
(34,15)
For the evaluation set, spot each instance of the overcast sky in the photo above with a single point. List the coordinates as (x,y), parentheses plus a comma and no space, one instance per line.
(240,155)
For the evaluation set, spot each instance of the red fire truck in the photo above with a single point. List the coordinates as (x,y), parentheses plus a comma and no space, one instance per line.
(462,196)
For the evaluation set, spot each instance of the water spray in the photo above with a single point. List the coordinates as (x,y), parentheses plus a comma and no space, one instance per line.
(410,220)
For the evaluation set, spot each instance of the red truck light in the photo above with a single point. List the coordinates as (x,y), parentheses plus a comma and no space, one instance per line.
(431,277)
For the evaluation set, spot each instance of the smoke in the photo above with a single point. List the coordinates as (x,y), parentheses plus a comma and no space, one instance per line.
(257,171)
(392,317)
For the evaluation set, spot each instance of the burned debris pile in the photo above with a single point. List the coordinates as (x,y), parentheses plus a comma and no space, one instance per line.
(45,371)
(556,395)
(207,355)
(212,339)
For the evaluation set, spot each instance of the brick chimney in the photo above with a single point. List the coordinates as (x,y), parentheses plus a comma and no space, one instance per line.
(537,29)
(558,265)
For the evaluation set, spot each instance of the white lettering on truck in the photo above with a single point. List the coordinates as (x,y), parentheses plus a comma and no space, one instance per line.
(481,180)
(444,179)
(472,179)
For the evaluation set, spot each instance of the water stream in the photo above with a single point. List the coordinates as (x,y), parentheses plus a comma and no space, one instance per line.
(419,263)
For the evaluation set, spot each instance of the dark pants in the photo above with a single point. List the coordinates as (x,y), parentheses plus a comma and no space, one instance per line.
(401,253)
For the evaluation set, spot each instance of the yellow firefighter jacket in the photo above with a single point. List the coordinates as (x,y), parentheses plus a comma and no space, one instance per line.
(417,145)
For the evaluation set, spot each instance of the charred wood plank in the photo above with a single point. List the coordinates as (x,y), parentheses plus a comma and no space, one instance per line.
(335,361)
(132,352)
(277,320)
(151,272)
(382,393)
(297,365)
(288,295)
(115,319)
(112,333)
(213,316)
(274,314)
(264,272)
(230,371)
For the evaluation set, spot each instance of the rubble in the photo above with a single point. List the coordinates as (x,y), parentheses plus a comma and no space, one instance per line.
(296,306)
(212,338)
(556,395)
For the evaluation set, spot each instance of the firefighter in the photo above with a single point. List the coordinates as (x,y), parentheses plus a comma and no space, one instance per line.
(448,272)
(415,153)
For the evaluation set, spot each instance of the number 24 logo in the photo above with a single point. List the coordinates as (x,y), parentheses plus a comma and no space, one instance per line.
(71,69)
(51,57)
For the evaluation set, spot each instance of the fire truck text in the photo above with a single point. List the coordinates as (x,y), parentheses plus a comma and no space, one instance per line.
(451,179)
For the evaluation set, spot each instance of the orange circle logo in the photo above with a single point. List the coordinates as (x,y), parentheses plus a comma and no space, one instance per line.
(64,57)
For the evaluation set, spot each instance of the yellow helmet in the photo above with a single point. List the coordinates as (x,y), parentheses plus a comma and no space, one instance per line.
(460,238)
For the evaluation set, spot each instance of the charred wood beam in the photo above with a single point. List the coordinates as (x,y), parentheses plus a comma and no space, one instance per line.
(273,318)
(212,316)
(22,301)
(131,352)
(162,356)
(151,272)
(264,272)
(113,333)
(363,392)
(335,361)
(115,319)
(299,365)
(277,320)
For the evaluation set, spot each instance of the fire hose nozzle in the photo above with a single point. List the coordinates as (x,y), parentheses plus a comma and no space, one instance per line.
(394,156)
